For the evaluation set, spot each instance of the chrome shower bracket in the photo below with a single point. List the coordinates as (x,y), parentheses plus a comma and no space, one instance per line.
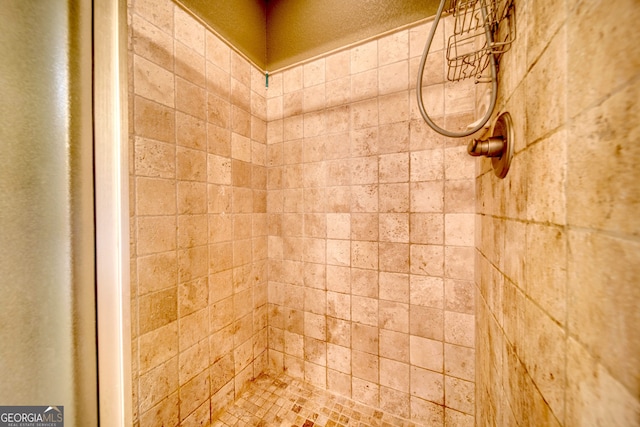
(499,146)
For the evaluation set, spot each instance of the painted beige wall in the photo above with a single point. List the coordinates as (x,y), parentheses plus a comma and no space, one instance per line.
(279,33)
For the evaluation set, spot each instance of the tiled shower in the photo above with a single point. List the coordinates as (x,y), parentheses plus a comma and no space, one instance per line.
(318,227)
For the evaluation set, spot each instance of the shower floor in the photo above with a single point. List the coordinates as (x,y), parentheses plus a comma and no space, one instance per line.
(284,401)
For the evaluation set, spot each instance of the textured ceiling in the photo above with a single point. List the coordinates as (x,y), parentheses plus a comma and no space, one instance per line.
(278,33)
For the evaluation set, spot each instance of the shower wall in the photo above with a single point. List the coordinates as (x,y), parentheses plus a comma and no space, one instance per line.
(329,184)
(557,244)
(198,218)
(371,228)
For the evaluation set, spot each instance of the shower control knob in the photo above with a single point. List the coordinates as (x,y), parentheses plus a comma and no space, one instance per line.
(492,147)
(499,147)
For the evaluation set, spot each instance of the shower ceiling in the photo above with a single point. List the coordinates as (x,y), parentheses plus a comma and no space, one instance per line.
(278,33)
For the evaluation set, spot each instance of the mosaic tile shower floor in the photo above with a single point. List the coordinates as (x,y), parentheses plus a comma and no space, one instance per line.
(286,402)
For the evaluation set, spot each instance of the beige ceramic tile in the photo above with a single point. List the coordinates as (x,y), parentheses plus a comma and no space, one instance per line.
(338,332)
(292,79)
(192,296)
(459,229)
(394,257)
(395,402)
(155,196)
(153,120)
(364,254)
(158,13)
(394,227)
(156,234)
(364,338)
(394,108)
(364,85)
(546,198)
(158,346)
(365,366)
(364,310)
(189,31)
(394,345)
(545,352)
(190,65)
(614,59)
(394,375)
(338,65)
(426,228)
(165,412)
(602,291)
(394,168)
(158,384)
(201,416)
(154,158)
(427,197)
(426,353)
(426,291)
(365,392)
(593,396)
(418,38)
(459,296)
(459,395)
(156,272)
(546,273)
(353,201)
(613,199)
(193,361)
(546,89)
(426,412)
(194,393)
(427,165)
(217,52)
(240,69)
(240,94)
(393,78)
(427,385)
(337,92)
(314,98)
(364,114)
(394,287)
(218,81)
(455,418)
(458,164)
(338,252)
(393,316)
(394,197)
(153,82)
(314,72)
(458,262)
(393,48)
(364,57)
(191,132)
(427,260)
(152,43)
(192,230)
(459,362)
(426,322)
(218,111)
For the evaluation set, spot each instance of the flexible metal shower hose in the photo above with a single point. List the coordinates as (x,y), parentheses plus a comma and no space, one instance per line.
(494,80)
